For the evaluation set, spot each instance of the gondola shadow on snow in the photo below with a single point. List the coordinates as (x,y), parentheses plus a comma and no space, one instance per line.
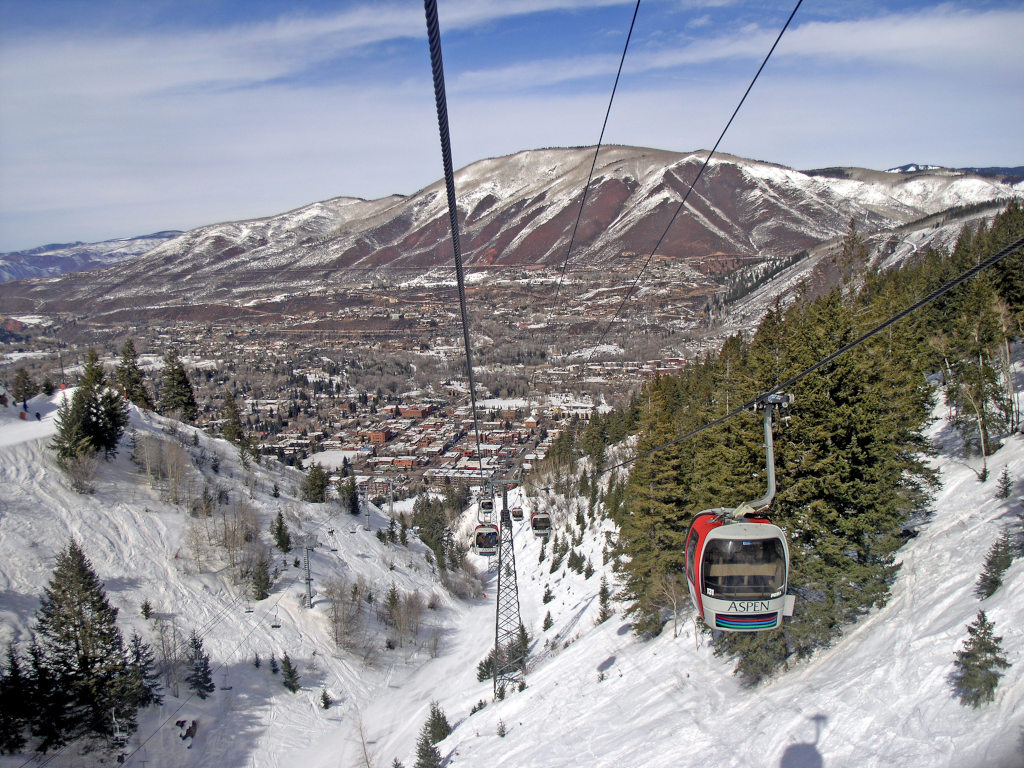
(806,754)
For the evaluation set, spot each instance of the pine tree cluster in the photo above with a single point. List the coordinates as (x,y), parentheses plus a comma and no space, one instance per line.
(94,418)
(79,681)
(849,459)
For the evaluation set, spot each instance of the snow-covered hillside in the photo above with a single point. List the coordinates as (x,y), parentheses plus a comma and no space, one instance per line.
(596,695)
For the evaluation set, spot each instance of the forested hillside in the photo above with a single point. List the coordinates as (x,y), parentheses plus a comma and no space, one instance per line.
(849,459)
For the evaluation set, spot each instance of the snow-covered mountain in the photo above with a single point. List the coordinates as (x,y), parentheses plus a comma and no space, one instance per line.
(595,696)
(61,258)
(517,211)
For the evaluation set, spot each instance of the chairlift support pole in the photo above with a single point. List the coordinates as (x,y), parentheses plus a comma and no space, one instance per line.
(307,546)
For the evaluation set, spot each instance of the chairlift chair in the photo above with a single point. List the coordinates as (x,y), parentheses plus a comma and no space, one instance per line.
(275,623)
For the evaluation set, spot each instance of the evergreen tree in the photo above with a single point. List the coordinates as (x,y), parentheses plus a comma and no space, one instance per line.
(15,709)
(548,622)
(427,755)
(348,496)
(23,387)
(261,580)
(1005,485)
(437,725)
(998,559)
(279,532)
(198,675)
(604,602)
(289,674)
(177,398)
(653,528)
(978,665)
(232,428)
(518,650)
(274,668)
(143,678)
(80,670)
(129,380)
(317,480)
(49,703)
(325,699)
(95,418)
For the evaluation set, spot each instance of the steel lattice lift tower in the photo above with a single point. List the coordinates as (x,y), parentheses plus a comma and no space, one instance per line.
(509,656)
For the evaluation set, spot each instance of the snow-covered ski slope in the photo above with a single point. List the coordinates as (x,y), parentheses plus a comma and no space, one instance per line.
(596,695)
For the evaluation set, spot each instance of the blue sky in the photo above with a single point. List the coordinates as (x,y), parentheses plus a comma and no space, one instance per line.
(123,118)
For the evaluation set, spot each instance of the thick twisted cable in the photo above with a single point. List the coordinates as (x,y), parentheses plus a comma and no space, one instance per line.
(441,101)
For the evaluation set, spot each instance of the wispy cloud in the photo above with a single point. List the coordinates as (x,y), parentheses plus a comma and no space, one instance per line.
(943,38)
(106,133)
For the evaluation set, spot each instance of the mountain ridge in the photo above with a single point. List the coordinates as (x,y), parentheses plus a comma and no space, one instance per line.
(516,212)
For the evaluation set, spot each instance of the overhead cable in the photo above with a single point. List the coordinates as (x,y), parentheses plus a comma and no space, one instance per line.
(700,173)
(943,289)
(597,150)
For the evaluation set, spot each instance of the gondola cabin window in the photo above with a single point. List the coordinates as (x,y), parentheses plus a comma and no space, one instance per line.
(744,569)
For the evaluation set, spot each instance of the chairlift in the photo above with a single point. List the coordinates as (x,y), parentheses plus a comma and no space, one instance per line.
(275,622)
(540,523)
(485,540)
(737,561)
(248,606)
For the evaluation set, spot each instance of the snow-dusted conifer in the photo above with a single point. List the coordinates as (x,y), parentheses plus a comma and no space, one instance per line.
(261,580)
(279,532)
(437,723)
(427,755)
(232,428)
(95,418)
(129,378)
(289,674)
(1005,484)
(199,677)
(315,488)
(979,665)
(143,678)
(998,559)
(177,399)
(79,665)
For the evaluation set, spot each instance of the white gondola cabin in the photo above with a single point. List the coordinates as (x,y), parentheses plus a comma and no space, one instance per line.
(737,562)
(737,571)
(485,540)
(540,523)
